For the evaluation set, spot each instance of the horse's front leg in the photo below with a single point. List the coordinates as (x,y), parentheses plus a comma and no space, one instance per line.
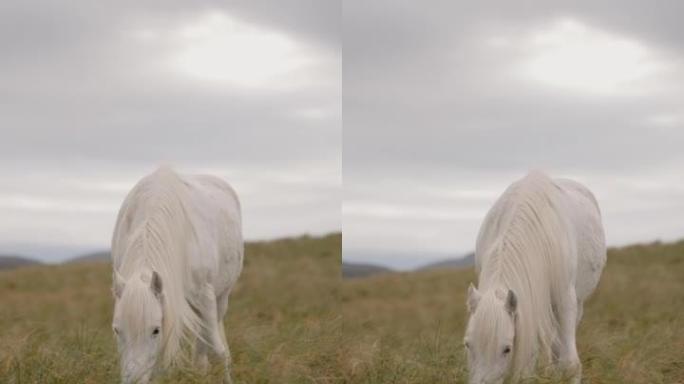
(568,359)
(201,354)
(213,330)
(222,308)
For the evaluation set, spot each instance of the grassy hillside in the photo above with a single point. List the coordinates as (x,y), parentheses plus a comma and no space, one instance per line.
(283,322)
(408,328)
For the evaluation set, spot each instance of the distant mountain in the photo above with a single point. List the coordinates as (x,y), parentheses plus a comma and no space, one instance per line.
(356,270)
(97,257)
(461,262)
(10,262)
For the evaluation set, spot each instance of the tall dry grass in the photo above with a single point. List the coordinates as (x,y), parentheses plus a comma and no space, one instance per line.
(292,321)
(283,321)
(408,328)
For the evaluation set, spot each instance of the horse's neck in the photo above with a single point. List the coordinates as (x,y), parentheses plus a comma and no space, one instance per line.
(494,273)
(493,286)
(136,268)
(134,263)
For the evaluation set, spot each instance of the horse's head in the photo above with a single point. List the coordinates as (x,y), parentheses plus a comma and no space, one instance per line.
(137,324)
(490,335)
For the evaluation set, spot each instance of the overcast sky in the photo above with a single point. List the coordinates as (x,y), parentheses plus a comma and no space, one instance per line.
(445,105)
(95,95)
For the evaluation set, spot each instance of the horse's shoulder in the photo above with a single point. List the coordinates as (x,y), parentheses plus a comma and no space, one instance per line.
(579,192)
(212,184)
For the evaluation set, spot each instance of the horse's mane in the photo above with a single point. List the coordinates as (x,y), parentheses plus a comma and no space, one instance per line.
(524,246)
(153,230)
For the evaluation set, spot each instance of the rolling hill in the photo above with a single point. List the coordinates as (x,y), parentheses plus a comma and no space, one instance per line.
(11,262)
(102,256)
(461,262)
(357,270)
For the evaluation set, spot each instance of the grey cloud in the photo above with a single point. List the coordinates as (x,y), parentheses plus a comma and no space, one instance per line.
(429,100)
(84,98)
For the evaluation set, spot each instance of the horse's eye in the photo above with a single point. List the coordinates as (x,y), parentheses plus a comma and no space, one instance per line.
(155,332)
(466,345)
(116,330)
(507,350)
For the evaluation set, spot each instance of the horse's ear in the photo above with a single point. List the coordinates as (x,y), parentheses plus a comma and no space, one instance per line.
(511,302)
(473,298)
(156,284)
(118,286)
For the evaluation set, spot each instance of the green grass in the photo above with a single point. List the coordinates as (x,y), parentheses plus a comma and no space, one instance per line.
(283,323)
(408,328)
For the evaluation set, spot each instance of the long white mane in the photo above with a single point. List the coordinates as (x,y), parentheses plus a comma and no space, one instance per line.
(525,245)
(152,233)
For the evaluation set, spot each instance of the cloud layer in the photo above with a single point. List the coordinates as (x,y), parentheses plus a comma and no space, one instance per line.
(95,96)
(444,106)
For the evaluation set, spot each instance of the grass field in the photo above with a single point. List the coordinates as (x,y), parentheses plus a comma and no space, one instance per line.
(283,323)
(292,321)
(408,328)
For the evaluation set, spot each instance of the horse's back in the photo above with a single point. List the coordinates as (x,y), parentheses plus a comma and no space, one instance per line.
(210,192)
(219,230)
(581,213)
(591,244)
(212,210)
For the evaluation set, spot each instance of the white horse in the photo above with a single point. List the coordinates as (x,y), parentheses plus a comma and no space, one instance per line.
(177,252)
(539,254)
